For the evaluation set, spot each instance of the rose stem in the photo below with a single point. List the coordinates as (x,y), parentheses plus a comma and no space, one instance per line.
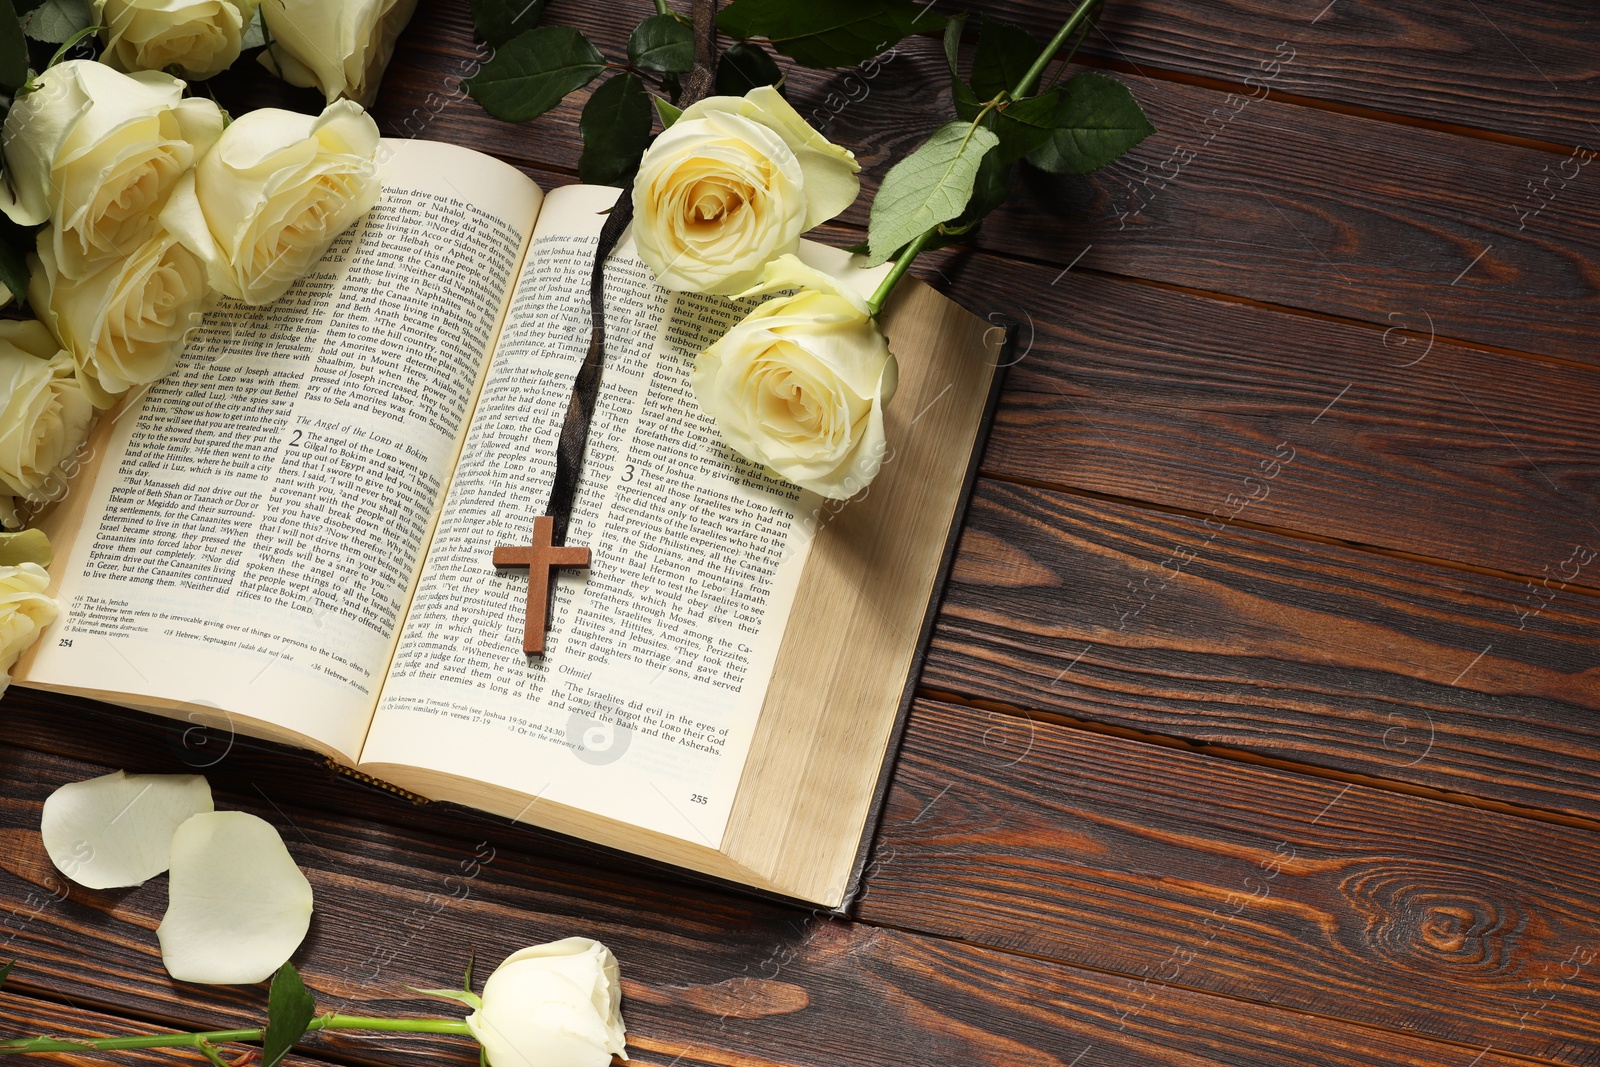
(1024,85)
(1026,82)
(216,1037)
(881,294)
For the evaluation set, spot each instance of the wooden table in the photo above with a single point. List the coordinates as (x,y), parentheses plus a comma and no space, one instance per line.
(1262,720)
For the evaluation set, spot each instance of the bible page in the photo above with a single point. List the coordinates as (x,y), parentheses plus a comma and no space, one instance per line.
(658,657)
(259,516)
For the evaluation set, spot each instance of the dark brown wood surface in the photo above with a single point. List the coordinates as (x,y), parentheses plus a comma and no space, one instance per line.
(1261,724)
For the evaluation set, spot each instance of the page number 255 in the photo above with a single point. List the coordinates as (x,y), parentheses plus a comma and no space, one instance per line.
(696,798)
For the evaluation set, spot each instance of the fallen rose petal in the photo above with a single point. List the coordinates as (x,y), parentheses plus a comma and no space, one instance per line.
(238,906)
(116,830)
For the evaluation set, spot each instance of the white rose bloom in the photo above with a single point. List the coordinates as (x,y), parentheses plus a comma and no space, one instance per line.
(44,414)
(200,37)
(97,153)
(731,186)
(554,1005)
(264,205)
(124,324)
(800,385)
(25,611)
(337,46)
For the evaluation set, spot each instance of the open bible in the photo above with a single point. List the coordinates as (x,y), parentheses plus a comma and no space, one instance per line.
(292,537)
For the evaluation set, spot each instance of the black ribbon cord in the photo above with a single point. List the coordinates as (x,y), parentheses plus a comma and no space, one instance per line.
(586,387)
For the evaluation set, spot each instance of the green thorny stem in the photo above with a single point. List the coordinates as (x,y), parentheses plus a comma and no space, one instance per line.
(1024,85)
(206,1040)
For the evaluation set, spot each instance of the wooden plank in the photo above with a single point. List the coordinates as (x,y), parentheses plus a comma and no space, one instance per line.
(708,978)
(1528,72)
(1282,648)
(1157,395)
(1280,203)
(1342,215)
(1406,914)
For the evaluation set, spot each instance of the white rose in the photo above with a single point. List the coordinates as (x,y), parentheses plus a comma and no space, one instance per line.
(264,204)
(44,414)
(338,46)
(124,324)
(731,186)
(200,37)
(25,611)
(554,1005)
(97,152)
(800,384)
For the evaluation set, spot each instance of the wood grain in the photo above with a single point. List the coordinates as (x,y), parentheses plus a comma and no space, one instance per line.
(1283,648)
(1399,441)
(1177,869)
(708,978)
(1524,72)
(1290,205)
(1043,894)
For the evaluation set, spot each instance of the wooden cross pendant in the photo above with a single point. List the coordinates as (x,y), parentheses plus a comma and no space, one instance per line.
(541,558)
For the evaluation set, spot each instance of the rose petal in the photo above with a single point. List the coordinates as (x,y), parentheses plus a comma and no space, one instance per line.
(239,907)
(116,830)
(590,964)
(540,1019)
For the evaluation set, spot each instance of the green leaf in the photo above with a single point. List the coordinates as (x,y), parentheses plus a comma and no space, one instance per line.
(667,110)
(289,1011)
(532,72)
(1096,121)
(460,996)
(989,190)
(827,33)
(952,42)
(616,131)
(1024,125)
(66,49)
(662,43)
(255,34)
(743,66)
(13,50)
(1005,52)
(56,20)
(930,186)
(497,21)
(968,106)
(5,971)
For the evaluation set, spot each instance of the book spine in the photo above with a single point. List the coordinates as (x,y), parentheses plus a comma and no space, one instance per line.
(1003,360)
(376,783)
